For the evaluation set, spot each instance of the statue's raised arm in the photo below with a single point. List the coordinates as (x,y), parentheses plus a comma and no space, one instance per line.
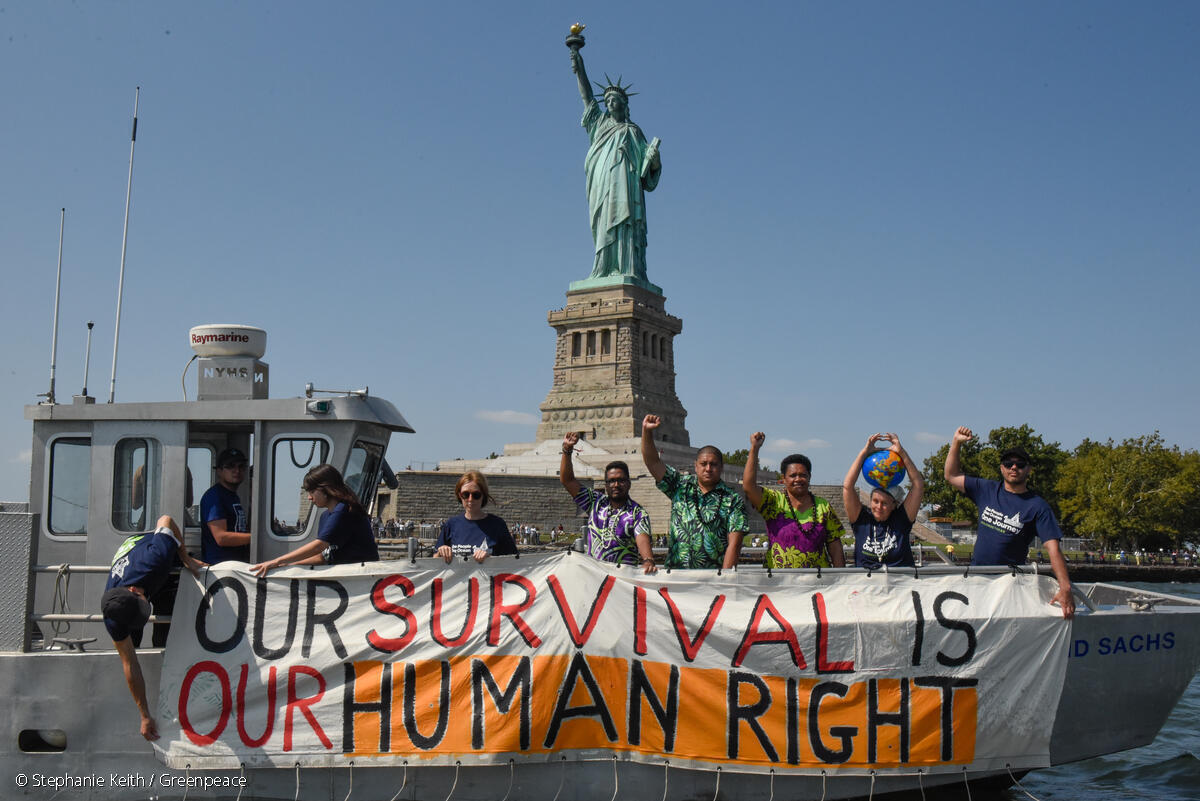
(621,167)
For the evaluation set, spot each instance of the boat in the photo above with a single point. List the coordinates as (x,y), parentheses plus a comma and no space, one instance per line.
(545,675)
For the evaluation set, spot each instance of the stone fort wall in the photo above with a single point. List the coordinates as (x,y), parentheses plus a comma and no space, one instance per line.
(540,501)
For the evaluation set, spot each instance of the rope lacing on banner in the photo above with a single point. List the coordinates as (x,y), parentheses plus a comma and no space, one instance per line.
(404,783)
(666,769)
(457,765)
(1020,787)
(616,784)
(966,783)
(512,774)
(772,796)
(562,778)
(351,790)
(297,797)
(717,792)
(242,784)
(187,783)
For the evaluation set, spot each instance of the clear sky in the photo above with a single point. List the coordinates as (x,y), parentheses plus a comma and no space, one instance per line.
(872,215)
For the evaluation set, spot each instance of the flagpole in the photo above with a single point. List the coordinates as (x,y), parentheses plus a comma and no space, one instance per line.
(112,384)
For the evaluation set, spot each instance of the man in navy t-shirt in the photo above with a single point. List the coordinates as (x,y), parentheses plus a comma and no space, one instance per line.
(139,569)
(1010,515)
(224,529)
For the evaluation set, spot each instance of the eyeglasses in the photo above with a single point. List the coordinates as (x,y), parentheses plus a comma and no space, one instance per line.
(470,494)
(616,481)
(1017,463)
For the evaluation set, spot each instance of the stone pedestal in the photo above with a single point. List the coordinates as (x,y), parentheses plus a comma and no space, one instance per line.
(614,364)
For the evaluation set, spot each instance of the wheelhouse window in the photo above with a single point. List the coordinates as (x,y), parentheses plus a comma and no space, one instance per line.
(200,468)
(70,469)
(362,471)
(291,458)
(137,484)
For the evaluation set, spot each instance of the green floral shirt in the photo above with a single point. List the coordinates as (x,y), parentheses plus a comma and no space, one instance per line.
(700,523)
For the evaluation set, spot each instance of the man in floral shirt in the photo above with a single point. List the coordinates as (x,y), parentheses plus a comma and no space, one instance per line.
(708,517)
(618,528)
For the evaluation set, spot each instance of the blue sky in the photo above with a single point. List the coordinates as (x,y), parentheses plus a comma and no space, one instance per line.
(872,216)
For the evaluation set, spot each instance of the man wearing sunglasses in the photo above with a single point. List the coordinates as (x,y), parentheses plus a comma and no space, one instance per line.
(617,527)
(1010,515)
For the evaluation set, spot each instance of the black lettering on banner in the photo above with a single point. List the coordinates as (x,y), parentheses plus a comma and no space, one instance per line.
(667,715)
(843,733)
(793,723)
(579,671)
(260,620)
(521,681)
(312,618)
(958,625)
(410,707)
(919,639)
(947,684)
(382,707)
(875,719)
(239,627)
(736,711)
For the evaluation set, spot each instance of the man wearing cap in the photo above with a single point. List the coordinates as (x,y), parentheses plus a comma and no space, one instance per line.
(224,533)
(1010,515)
(139,569)
(883,532)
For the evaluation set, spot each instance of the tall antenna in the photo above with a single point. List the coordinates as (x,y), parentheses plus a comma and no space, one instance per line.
(112,384)
(87,357)
(62,221)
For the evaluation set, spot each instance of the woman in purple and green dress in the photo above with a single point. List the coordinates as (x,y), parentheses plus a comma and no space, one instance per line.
(802,529)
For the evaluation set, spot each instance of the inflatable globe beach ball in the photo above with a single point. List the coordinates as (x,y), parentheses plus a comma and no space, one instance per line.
(883,469)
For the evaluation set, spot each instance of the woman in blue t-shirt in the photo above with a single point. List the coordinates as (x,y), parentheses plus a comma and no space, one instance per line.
(345,534)
(882,532)
(474,534)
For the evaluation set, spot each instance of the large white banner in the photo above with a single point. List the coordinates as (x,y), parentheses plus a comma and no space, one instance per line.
(561,656)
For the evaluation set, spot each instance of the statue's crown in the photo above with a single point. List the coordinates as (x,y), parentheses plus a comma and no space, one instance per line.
(614,86)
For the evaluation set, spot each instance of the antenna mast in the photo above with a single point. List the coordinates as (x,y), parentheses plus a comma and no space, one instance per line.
(62,221)
(112,384)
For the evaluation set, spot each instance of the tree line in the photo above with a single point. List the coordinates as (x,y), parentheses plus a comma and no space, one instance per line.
(1137,493)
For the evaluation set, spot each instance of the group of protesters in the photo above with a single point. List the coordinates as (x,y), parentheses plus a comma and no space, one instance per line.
(708,523)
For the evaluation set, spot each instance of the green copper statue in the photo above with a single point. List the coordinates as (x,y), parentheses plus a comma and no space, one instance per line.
(621,167)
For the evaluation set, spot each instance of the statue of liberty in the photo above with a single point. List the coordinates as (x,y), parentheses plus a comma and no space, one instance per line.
(621,167)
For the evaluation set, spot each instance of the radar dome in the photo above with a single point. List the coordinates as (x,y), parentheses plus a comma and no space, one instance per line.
(223,339)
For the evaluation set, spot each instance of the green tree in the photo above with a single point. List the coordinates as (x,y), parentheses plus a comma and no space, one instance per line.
(1136,494)
(982,459)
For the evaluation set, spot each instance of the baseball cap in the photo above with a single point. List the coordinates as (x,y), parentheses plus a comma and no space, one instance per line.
(1015,452)
(231,456)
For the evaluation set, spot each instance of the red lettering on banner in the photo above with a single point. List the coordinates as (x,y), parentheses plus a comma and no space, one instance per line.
(511,611)
(295,702)
(392,644)
(639,621)
(435,623)
(823,663)
(753,636)
(241,710)
(691,647)
(185,689)
(564,609)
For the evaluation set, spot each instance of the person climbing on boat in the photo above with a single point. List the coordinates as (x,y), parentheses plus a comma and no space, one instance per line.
(617,527)
(882,532)
(1010,515)
(140,568)
(708,517)
(802,529)
(345,534)
(475,533)
(224,527)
